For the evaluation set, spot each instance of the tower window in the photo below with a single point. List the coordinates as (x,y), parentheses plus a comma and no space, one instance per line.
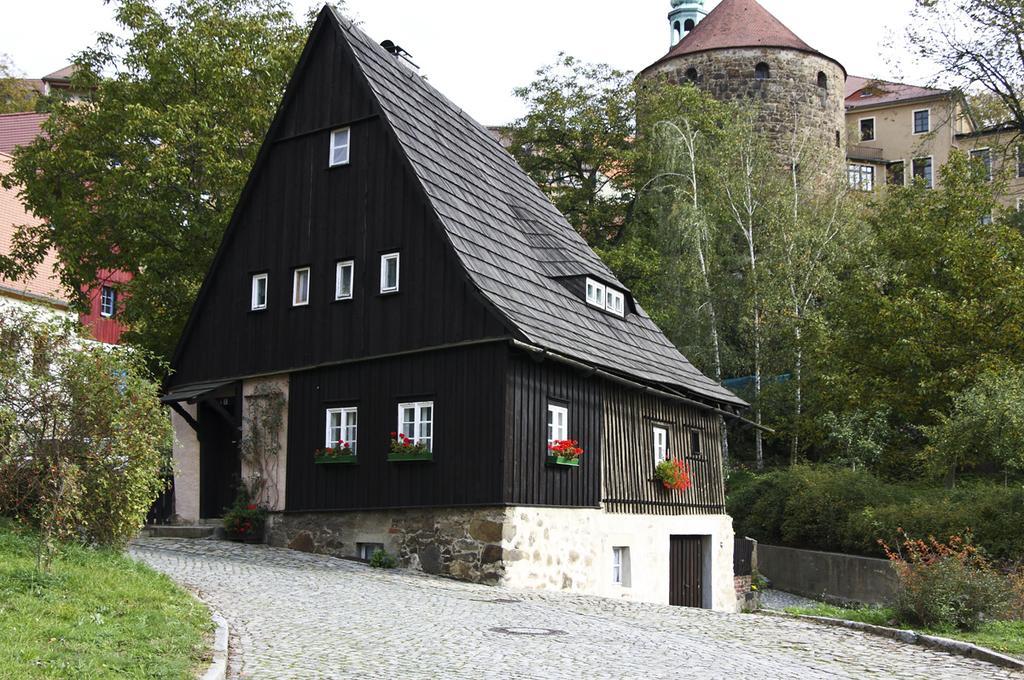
(762,71)
(822,80)
(688,26)
(676,33)
(691,75)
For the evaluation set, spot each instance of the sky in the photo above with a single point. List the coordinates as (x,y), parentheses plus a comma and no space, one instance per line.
(477,52)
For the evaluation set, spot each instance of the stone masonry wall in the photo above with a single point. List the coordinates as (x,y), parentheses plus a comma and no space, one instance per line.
(789,101)
(464,543)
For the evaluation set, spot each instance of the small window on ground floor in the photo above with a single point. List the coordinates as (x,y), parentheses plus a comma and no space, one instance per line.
(342,428)
(366,550)
(861,177)
(416,421)
(923,170)
(558,423)
(895,173)
(620,566)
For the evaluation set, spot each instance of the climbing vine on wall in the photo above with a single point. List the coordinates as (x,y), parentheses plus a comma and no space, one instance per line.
(261,443)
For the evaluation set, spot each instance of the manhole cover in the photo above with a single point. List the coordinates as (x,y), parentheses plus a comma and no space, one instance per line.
(524,630)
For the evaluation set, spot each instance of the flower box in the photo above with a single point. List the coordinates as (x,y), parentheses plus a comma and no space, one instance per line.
(347,459)
(410,457)
(563,460)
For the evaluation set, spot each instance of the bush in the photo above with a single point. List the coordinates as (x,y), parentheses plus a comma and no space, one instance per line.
(245,519)
(382,560)
(944,585)
(841,510)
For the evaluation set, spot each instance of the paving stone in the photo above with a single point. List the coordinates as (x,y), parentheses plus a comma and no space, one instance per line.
(299,615)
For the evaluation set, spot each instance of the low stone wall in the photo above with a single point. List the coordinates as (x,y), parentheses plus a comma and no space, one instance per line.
(463,543)
(831,576)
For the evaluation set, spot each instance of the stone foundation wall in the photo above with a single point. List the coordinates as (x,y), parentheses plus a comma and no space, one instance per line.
(463,543)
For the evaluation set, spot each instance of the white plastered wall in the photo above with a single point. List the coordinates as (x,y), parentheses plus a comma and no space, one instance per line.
(186,466)
(274,496)
(571,549)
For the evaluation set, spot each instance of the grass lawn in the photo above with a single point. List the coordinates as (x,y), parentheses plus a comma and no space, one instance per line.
(97,614)
(1002,636)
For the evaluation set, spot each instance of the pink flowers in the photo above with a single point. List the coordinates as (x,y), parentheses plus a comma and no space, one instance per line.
(565,448)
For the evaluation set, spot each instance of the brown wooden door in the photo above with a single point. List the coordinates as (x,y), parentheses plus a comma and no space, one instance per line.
(686,577)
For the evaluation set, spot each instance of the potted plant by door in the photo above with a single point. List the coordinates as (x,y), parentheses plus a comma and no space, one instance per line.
(246,520)
(564,452)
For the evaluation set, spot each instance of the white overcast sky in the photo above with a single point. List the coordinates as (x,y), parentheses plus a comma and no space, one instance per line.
(476,51)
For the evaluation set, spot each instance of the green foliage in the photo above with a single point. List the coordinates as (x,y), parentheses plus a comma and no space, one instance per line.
(842,510)
(84,440)
(946,584)
(246,518)
(382,560)
(15,94)
(144,175)
(574,142)
(98,614)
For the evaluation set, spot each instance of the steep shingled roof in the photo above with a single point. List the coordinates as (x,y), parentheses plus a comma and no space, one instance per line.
(511,240)
(739,23)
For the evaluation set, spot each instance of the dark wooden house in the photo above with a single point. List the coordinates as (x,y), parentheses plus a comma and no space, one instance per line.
(390,270)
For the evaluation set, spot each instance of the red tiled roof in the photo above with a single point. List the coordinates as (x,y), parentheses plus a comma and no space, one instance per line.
(739,23)
(19,129)
(862,91)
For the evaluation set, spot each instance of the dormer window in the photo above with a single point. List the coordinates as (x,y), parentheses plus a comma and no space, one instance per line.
(606,298)
(340,146)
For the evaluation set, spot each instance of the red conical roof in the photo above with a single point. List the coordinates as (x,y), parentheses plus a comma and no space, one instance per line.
(739,23)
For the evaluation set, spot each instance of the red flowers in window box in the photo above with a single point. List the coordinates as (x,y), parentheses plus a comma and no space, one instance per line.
(404,448)
(674,474)
(564,452)
(342,452)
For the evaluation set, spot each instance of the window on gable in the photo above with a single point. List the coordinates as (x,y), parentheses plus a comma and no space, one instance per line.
(922,121)
(343,278)
(867,129)
(861,177)
(923,170)
(620,566)
(595,293)
(300,287)
(895,173)
(108,301)
(615,302)
(695,448)
(389,273)
(985,156)
(340,146)
(342,428)
(660,444)
(558,423)
(259,292)
(416,421)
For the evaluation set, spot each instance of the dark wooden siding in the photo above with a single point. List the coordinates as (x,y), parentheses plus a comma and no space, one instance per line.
(465,386)
(629,484)
(528,479)
(299,212)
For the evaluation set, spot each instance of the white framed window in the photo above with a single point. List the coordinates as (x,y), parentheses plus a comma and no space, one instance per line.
(389,265)
(985,156)
(416,421)
(867,129)
(861,177)
(660,436)
(620,566)
(558,423)
(108,301)
(366,550)
(300,287)
(595,293)
(259,292)
(615,302)
(340,146)
(922,121)
(922,167)
(343,278)
(342,426)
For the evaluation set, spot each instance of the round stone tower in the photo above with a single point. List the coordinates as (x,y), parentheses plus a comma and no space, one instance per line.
(740,52)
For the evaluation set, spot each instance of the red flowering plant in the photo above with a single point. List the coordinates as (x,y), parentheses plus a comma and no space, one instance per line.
(246,519)
(565,448)
(674,474)
(402,445)
(342,449)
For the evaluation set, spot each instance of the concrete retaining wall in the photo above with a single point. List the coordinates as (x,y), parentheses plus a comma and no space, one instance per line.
(830,576)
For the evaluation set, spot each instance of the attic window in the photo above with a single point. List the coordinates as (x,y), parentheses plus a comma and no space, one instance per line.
(615,302)
(762,71)
(595,293)
(340,146)
(606,298)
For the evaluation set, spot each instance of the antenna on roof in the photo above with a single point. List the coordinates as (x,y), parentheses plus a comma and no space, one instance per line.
(399,52)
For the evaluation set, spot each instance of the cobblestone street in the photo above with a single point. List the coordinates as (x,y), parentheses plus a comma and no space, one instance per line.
(295,615)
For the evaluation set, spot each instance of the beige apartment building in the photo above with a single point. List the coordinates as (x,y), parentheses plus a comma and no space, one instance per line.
(898,132)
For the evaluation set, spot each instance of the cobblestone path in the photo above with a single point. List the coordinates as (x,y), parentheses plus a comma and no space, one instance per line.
(295,615)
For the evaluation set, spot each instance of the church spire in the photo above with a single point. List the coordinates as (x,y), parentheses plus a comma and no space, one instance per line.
(684,16)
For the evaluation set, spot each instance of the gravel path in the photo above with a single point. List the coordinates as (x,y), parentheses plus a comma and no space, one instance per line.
(295,615)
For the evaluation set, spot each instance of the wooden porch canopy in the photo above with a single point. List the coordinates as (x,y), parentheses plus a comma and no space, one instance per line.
(207,392)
